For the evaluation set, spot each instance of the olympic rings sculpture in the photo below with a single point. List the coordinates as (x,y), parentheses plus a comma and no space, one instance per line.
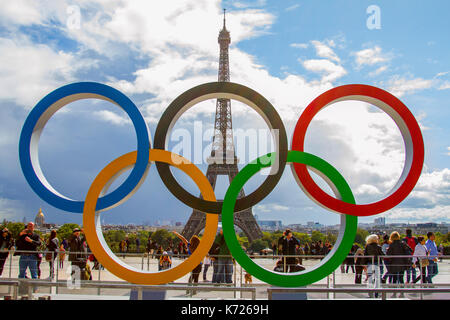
(97,199)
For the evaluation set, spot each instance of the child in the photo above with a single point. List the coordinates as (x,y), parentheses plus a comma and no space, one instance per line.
(165,262)
(62,256)
(248,278)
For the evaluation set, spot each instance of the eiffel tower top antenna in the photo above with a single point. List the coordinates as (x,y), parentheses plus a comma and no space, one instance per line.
(224,18)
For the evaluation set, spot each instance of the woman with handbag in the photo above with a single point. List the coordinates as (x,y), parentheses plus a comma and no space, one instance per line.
(398,265)
(421,255)
(52,252)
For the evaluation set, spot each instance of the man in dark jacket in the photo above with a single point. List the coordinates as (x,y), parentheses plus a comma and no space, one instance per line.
(28,241)
(225,263)
(76,254)
(5,246)
(289,245)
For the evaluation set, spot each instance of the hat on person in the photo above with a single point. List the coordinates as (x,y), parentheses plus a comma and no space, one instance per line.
(165,253)
(76,230)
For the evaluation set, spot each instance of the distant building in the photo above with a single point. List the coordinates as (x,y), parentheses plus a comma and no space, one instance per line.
(313,225)
(427,225)
(380,221)
(39,221)
(269,224)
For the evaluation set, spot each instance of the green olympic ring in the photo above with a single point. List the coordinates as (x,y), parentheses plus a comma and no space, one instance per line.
(335,257)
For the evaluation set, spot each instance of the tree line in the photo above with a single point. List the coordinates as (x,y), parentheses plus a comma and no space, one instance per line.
(166,238)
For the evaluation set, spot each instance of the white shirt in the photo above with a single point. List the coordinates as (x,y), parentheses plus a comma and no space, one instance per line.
(420,252)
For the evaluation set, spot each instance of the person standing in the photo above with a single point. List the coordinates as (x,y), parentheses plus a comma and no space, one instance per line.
(150,246)
(372,252)
(213,252)
(384,247)
(27,246)
(420,259)
(76,253)
(432,267)
(397,266)
(411,242)
(5,245)
(206,264)
(138,244)
(274,250)
(289,245)
(40,249)
(192,245)
(62,256)
(65,243)
(225,263)
(359,265)
(122,247)
(52,247)
(441,251)
(127,244)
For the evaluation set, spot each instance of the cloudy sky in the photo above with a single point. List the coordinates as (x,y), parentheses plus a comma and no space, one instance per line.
(289,51)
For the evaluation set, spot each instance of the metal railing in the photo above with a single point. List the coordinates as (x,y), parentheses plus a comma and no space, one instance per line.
(382,291)
(151,259)
(31,286)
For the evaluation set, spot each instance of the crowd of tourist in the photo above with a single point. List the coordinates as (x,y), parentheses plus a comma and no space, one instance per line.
(383,259)
(394,260)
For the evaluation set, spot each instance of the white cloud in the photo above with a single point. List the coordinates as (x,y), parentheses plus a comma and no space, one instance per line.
(299,45)
(363,144)
(21,12)
(328,69)
(111,117)
(325,51)
(293,7)
(30,71)
(378,71)
(448,151)
(437,213)
(370,56)
(441,74)
(445,85)
(399,86)
(270,207)
(244,5)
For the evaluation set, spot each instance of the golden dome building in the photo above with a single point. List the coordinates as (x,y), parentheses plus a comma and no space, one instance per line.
(40,219)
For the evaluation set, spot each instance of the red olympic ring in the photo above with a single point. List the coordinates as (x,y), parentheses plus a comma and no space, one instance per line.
(412,136)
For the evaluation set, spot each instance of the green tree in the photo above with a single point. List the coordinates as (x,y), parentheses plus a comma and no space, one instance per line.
(361,236)
(113,238)
(258,245)
(302,237)
(316,236)
(243,241)
(15,228)
(162,237)
(331,238)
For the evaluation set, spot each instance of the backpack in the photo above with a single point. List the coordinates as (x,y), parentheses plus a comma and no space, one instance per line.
(411,242)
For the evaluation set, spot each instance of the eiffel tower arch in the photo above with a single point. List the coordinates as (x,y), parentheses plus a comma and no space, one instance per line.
(223,160)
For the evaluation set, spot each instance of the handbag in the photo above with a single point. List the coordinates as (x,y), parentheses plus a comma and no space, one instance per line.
(49,256)
(424,262)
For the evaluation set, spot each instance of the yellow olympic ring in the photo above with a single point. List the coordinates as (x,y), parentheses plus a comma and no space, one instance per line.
(94,235)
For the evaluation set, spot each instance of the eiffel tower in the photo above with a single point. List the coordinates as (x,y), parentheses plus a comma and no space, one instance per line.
(223,160)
